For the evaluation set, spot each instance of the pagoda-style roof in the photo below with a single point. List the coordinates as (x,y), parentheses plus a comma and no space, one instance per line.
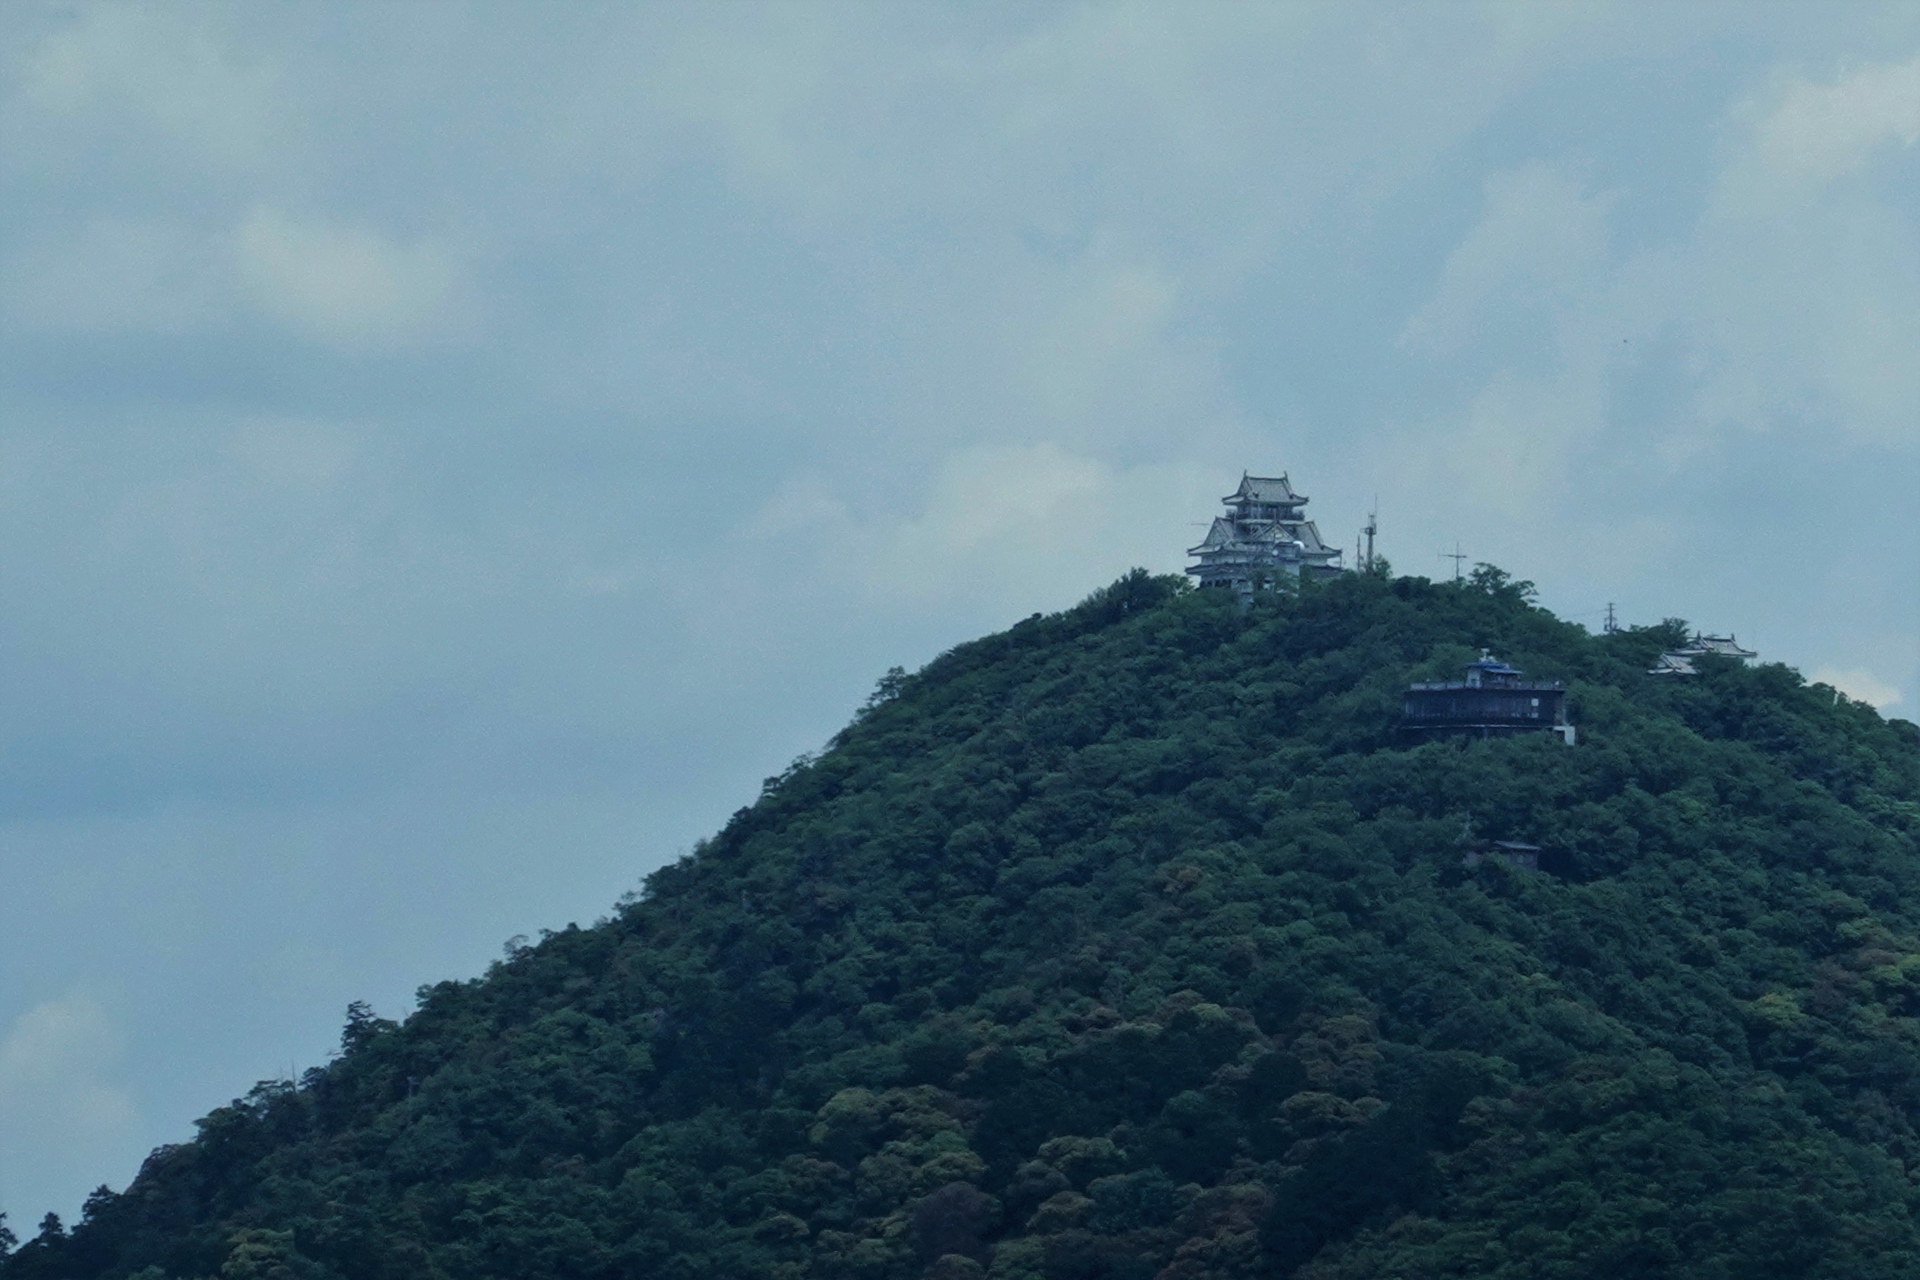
(1273,489)
(1218,536)
(1264,536)
(1679,662)
(1725,646)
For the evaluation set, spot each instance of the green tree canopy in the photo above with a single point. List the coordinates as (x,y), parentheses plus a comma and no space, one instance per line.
(1134,941)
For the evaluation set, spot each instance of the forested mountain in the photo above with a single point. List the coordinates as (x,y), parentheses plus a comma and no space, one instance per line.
(1134,942)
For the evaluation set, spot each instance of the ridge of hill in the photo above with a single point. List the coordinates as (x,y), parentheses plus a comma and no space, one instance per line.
(1131,942)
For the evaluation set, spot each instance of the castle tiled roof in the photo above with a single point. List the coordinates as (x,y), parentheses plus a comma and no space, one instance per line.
(1679,662)
(1264,489)
(1218,536)
(1725,646)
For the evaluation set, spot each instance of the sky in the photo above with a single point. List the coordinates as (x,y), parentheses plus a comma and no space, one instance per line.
(451,453)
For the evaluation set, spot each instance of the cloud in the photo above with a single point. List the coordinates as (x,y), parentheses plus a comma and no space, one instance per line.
(114,274)
(338,282)
(1859,684)
(1824,131)
(61,1050)
(1539,246)
(346,284)
(1796,288)
(158,70)
(1510,452)
(1519,317)
(1100,348)
(995,495)
(802,503)
(61,1095)
(1009,529)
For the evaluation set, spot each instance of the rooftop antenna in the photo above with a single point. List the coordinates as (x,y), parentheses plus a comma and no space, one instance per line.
(1457,556)
(1612,625)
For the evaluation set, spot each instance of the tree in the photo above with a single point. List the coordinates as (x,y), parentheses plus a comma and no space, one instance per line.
(1497,582)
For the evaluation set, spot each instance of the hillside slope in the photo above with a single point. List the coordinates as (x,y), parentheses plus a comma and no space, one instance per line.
(1132,943)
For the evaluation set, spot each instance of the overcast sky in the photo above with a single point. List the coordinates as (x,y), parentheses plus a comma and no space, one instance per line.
(449,454)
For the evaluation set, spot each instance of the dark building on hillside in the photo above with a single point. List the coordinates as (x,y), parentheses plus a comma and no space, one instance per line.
(1494,701)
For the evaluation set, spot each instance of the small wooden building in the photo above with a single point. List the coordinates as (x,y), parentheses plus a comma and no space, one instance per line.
(1494,701)
(1525,857)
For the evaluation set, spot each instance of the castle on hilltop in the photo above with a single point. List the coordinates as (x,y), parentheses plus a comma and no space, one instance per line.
(1264,537)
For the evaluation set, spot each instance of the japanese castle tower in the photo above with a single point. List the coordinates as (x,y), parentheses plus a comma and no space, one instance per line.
(1264,535)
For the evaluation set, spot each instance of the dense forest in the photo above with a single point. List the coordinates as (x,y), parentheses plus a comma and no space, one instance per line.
(1135,942)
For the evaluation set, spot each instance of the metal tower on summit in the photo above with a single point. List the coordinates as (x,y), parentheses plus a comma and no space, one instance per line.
(1264,537)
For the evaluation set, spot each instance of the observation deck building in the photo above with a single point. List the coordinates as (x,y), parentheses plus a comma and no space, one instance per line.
(1265,536)
(1492,702)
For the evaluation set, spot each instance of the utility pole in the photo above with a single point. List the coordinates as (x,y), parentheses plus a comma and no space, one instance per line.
(1457,556)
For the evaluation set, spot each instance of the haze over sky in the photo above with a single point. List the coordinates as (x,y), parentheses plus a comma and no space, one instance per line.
(449,454)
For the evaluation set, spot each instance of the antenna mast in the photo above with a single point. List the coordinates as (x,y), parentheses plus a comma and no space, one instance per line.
(1457,556)
(1612,626)
(1373,527)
